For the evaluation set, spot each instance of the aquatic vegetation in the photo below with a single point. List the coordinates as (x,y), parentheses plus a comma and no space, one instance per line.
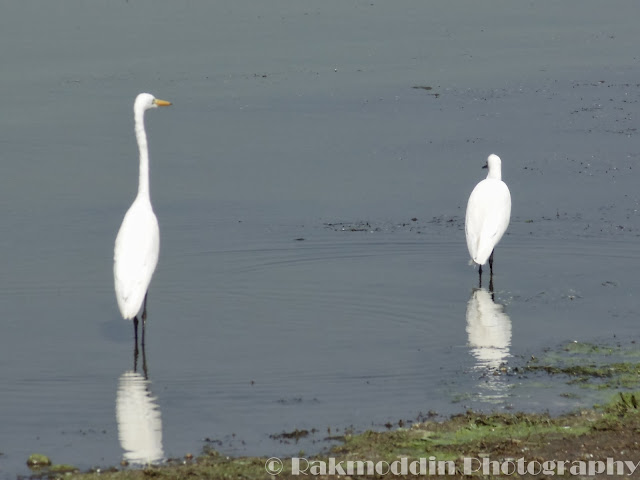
(601,367)
(36,460)
(501,436)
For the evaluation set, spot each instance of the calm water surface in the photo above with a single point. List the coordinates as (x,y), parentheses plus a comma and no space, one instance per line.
(294,291)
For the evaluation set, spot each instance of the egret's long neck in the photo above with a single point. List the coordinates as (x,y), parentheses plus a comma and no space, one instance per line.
(141,137)
(495,172)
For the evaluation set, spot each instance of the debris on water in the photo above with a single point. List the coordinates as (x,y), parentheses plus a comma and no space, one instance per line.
(427,88)
(64,468)
(293,435)
(349,227)
(37,460)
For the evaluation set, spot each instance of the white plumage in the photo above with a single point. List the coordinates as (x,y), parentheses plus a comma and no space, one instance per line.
(138,241)
(488,213)
(136,256)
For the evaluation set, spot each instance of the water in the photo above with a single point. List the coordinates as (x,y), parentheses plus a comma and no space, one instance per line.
(293,124)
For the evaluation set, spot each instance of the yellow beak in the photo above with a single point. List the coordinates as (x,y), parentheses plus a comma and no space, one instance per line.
(161,103)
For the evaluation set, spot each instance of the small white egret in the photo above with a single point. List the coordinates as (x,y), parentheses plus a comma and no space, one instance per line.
(488,214)
(138,241)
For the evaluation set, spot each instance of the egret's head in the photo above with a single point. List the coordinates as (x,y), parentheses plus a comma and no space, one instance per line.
(493,160)
(494,164)
(145,101)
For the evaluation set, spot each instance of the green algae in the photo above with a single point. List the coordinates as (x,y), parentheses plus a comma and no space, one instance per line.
(37,460)
(591,366)
(498,436)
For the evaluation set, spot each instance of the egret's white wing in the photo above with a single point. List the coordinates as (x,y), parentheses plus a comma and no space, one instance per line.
(135,257)
(487,218)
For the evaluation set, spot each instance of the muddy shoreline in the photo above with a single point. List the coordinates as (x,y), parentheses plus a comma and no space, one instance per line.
(574,444)
(470,445)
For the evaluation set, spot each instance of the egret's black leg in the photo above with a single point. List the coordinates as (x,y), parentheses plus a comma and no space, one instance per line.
(144,309)
(144,323)
(491,274)
(135,348)
(144,318)
(491,262)
(135,330)
(480,277)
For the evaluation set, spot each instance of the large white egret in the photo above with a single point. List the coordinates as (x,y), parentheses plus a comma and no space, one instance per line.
(488,214)
(138,241)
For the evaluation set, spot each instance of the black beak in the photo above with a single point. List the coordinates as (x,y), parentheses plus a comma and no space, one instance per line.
(486,165)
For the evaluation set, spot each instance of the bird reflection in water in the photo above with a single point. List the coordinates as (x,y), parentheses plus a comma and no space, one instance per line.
(489,331)
(138,417)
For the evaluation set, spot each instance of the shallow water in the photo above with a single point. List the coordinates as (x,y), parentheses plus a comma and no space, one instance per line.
(294,291)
